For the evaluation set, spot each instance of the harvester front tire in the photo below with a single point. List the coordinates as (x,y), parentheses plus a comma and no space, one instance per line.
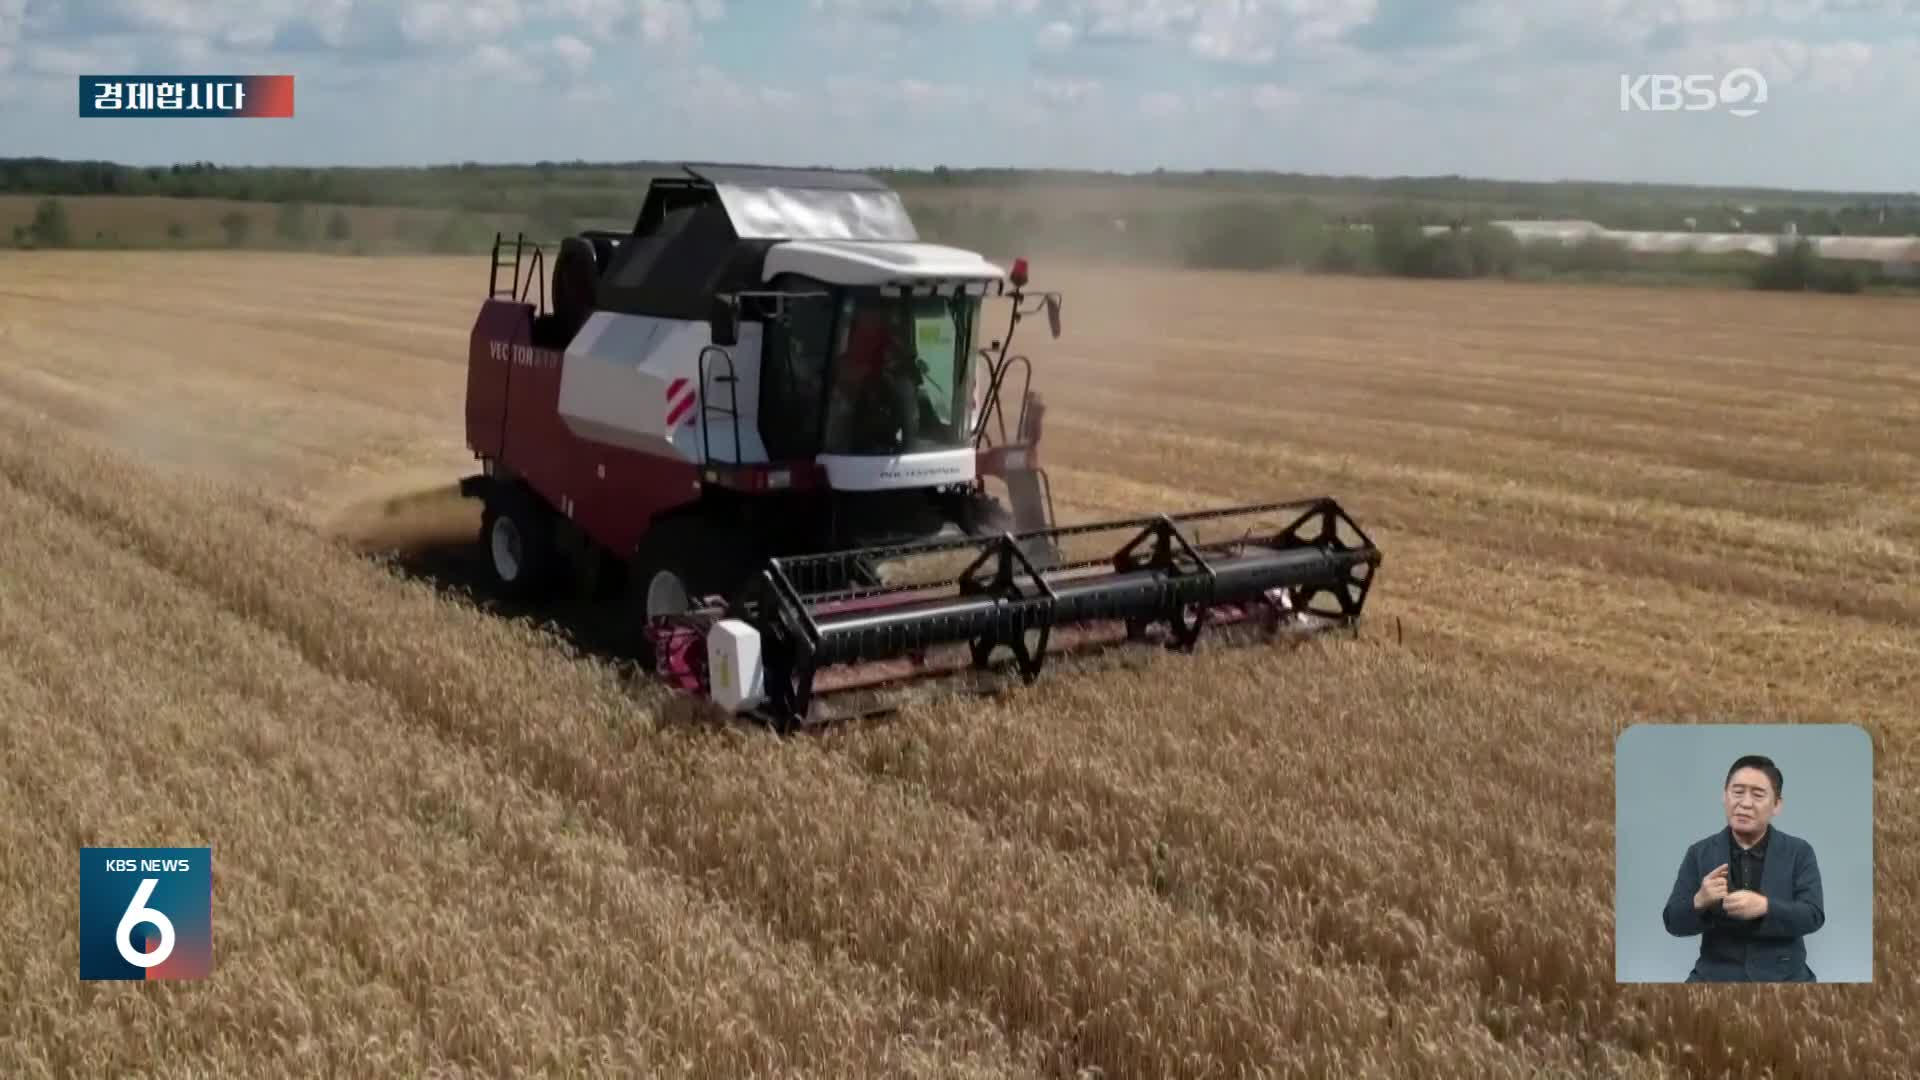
(517,535)
(678,564)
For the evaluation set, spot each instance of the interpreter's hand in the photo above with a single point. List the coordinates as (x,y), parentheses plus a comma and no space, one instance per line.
(1713,888)
(1747,904)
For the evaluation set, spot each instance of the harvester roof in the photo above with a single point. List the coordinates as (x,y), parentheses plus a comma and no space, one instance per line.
(769,203)
(863,262)
(731,228)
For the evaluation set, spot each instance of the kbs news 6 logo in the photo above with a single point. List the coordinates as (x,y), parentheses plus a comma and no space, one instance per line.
(146,913)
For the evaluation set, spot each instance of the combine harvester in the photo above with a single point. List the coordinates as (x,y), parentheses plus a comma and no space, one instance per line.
(766,412)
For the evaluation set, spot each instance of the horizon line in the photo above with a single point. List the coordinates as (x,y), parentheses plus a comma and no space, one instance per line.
(1158,172)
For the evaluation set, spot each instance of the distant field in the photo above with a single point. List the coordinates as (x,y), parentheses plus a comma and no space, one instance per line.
(1167,226)
(144,220)
(1117,199)
(150,221)
(444,842)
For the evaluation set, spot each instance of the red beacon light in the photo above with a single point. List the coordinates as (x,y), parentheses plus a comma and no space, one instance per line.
(1019,274)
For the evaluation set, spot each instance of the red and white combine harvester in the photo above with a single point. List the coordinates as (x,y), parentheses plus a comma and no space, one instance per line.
(766,410)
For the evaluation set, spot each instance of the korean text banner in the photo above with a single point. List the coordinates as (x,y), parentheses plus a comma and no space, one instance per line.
(187,96)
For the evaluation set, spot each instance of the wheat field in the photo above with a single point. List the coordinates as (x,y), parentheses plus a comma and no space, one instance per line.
(449,842)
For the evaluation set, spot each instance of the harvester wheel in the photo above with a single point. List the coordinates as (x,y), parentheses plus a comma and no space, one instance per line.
(518,538)
(678,563)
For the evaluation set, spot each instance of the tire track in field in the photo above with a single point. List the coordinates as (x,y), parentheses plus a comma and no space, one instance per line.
(578,872)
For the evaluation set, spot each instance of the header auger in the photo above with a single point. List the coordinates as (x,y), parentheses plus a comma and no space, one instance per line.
(765,410)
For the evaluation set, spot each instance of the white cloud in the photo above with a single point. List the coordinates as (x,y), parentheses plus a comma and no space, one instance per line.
(1228,31)
(710,89)
(600,18)
(190,50)
(1067,92)
(671,22)
(970,9)
(1267,97)
(70,62)
(588,95)
(922,92)
(329,19)
(1133,20)
(1217,45)
(866,8)
(655,21)
(1396,97)
(177,15)
(451,22)
(495,62)
(1160,104)
(902,9)
(245,23)
(1510,23)
(245,37)
(575,54)
(1840,66)
(560,62)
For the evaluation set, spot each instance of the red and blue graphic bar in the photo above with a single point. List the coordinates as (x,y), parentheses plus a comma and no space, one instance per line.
(194,96)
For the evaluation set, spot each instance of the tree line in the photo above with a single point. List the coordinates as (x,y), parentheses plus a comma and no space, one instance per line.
(1405,237)
(578,190)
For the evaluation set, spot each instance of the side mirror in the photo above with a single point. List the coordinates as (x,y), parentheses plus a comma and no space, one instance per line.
(723,322)
(1053,313)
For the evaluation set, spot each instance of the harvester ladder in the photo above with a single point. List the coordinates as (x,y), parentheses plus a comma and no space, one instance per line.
(493,277)
(993,408)
(519,288)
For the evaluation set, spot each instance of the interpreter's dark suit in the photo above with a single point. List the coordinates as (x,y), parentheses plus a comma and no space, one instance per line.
(1751,950)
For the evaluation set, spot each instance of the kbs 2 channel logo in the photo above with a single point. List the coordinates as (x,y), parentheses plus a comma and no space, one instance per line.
(146,913)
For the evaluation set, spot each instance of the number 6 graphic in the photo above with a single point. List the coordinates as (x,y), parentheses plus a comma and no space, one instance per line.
(138,912)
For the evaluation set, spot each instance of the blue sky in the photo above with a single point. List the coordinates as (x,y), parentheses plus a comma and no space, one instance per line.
(1522,89)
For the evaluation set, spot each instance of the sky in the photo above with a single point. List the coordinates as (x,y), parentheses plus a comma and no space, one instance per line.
(1514,89)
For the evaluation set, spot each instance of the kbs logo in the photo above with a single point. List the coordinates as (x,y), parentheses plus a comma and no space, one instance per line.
(146,913)
(1739,92)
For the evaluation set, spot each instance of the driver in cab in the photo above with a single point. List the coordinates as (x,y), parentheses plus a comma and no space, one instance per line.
(876,393)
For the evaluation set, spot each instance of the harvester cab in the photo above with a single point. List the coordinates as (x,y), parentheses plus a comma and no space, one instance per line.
(769,409)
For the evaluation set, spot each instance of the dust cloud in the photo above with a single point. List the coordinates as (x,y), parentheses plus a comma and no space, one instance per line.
(416,520)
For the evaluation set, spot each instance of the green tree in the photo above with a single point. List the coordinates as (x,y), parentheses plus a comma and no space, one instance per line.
(291,224)
(50,227)
(1398,242)
(237,225)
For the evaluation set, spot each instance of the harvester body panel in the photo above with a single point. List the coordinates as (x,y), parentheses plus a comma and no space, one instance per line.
(499,321)
(611,492)
(636,382)
(928,468)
